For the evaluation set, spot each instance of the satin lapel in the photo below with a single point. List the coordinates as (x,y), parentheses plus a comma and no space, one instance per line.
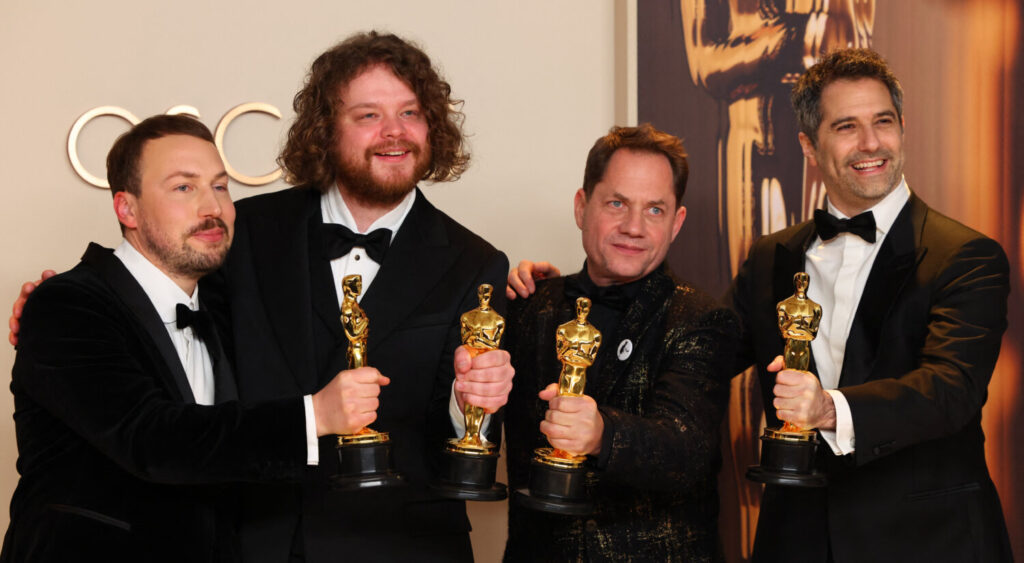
(641,317)
(280,246)
(224,388)
(113,272)
(896,262)
(419,257)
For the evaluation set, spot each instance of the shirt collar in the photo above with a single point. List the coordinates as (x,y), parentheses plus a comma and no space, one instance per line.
(334,210)
(885,211)
(161,289)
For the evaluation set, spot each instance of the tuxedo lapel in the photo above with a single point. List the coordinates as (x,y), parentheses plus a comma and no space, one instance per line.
(128,290)
(640,317)
(224,387)
(894,265)
(419,256)
(282,268)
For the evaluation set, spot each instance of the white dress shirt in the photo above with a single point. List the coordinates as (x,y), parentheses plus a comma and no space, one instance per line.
(165,296)
(334,210)
(839,270)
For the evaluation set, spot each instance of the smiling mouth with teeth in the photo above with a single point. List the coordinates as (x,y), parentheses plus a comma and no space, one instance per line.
(868,164)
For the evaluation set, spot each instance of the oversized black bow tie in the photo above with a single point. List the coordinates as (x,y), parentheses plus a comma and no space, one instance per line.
(611,296)
(200,321)
(829,226)
(339,241)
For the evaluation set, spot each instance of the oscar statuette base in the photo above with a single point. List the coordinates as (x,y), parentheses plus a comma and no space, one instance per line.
(468,472)
(557,485)
(787,458)
(365,462)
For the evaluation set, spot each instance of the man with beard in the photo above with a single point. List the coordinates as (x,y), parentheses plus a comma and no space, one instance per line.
(914,310)
(373,119)
(126,411)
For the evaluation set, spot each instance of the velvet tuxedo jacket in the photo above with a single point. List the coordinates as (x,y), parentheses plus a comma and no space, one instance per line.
(654,483)
(117,461)
(918,360)
(285,317)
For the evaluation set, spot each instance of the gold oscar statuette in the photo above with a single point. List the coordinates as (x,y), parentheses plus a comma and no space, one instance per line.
(364,456)
(557,477)
(788,452)
(471,462)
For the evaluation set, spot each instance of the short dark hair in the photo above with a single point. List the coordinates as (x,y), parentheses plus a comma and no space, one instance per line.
(643,138)
(123,158)
(308,156)
(843,64)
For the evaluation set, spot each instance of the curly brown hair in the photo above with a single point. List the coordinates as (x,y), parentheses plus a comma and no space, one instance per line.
(308,156)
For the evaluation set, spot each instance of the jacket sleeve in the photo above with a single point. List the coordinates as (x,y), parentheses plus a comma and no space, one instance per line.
(674,444)
(82,361)
(966,319)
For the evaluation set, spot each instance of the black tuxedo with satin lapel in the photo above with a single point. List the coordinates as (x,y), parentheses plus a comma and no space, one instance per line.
(285,317)
(117,461)
(918,360)
(654,483)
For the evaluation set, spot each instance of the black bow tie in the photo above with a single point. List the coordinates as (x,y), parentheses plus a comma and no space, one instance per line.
(339,241)
(829,226)
(611,296)
(200,321)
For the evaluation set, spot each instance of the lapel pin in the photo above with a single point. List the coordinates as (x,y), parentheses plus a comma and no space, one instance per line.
(624,350)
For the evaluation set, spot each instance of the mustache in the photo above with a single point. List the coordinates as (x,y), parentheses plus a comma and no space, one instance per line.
(211,223)
(886,155)
(394,146)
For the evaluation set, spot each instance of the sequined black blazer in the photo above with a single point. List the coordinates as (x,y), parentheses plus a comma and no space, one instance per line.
(654,484)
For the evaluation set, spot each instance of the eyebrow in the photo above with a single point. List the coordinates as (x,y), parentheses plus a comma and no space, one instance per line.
(618,195)
(841,120)
(409,102)
(193,175)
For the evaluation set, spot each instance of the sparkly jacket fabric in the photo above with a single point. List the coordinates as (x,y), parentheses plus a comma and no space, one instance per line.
(654,483)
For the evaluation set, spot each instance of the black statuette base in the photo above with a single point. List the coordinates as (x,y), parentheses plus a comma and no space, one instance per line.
(364,466)
(470,477)
(556,489)
(787,462)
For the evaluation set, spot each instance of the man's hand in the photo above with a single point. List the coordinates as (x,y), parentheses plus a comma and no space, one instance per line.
(520,279)
(484,380)
(19,304)
(572,424)
(800,400)
(349,402)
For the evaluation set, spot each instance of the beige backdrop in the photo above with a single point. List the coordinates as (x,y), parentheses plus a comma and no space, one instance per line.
(539,79)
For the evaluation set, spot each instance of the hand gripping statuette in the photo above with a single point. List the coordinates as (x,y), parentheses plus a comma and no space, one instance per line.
(788,453)
(365,455)
(470,462)
(557,476)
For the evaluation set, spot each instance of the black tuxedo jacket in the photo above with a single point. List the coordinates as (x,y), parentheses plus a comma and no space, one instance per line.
(289,342)
(117,461)
(918,360)
(654,483)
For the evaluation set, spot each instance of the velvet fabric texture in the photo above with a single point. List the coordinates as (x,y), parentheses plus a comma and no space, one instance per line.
(654,482)
(918,360)
(117,461)
(289,342)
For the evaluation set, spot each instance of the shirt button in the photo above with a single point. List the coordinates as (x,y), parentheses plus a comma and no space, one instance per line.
(357,257)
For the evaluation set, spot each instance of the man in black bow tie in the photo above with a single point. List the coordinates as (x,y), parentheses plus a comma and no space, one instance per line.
(126,411)
(655,395)
(914,309)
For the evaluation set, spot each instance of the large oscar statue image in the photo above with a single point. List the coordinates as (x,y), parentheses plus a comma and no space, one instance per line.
(787,453)
(470,462)
(557,477)
(365,455)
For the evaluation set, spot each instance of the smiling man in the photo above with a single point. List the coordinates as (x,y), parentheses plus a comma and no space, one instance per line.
(126,411)
(655,395)
(914,307)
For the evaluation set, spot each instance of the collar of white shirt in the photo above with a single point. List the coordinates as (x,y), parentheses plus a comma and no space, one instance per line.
(885,211)
(334,210)
(161,289)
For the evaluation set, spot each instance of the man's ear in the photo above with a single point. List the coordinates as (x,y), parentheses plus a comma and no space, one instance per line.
(677,222)
(578,203)
(808,148)
(125,207)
